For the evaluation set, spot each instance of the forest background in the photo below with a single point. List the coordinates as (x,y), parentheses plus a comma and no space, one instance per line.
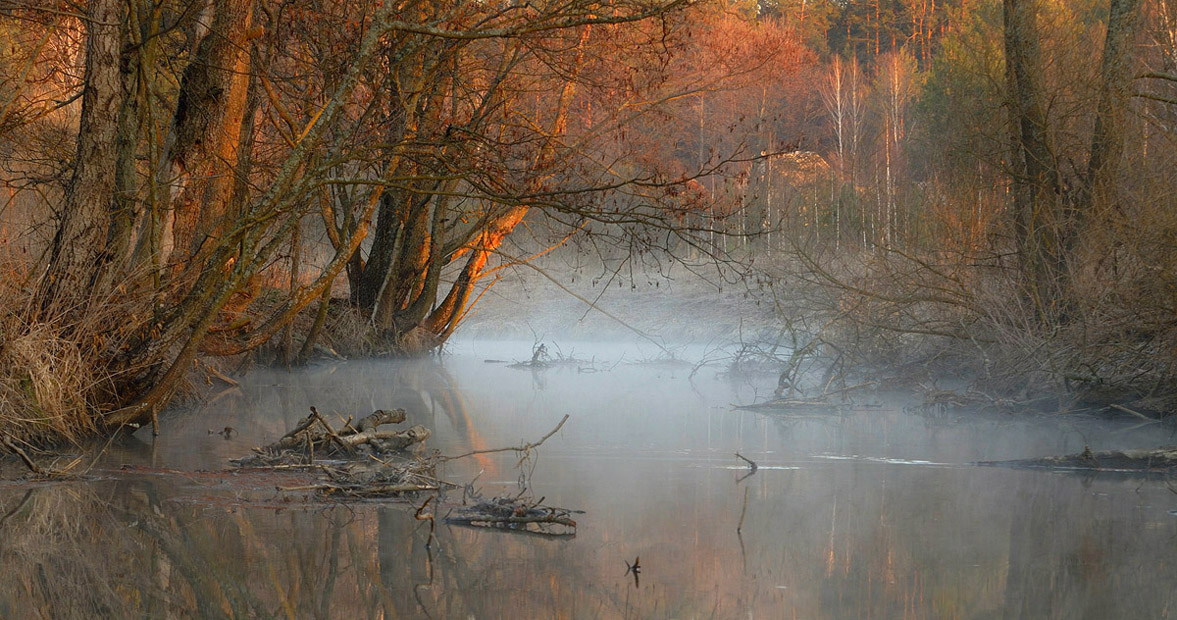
(977,185)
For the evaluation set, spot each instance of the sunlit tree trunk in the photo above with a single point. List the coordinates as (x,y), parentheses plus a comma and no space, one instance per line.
(844,97)
(207,130)
(896,74)
(445,318)
(400,283)
(833,94)
(856,126)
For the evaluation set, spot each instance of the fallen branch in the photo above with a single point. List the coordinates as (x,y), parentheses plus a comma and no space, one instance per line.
(851,388)
(380,417)
(11,445)
(359,490)
(494,519)
(523,448)
(387,440)
(1160,460)
(220,375)
(1132,412)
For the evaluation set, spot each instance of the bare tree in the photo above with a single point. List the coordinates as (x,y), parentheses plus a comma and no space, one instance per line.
(894,87)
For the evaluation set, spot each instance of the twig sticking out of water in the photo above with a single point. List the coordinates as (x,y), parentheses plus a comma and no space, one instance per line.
(50,471)
(752,467)
(752,464)
(636,569)
(523,448)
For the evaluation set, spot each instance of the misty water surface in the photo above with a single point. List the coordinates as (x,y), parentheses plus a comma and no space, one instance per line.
(866,513)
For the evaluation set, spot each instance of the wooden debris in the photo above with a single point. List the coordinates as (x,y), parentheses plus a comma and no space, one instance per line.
(512,513)
(752,467)
(313,436)
(524,448)
(365,461)
(752,464)
(539,359)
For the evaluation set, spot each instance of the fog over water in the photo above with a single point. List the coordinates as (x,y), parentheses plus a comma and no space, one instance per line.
(868,511)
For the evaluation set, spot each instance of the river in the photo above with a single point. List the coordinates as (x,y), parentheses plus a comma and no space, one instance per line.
(865,512)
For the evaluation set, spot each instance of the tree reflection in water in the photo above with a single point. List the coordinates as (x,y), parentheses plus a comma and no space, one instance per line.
(822,538)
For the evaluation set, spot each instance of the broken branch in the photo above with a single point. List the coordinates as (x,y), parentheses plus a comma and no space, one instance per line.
(523,448)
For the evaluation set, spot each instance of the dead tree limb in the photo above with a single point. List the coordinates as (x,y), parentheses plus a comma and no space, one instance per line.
(11,445)
(381,417)
(523,448)
(388,440)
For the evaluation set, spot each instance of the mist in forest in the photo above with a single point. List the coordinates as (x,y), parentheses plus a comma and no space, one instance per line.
(839,194)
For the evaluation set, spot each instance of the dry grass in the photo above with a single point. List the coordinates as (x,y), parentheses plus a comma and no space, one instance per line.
(347,331)
(57,373)
(44,379)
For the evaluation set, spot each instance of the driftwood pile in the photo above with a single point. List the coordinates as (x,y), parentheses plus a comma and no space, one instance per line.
(513,513)
(358,461)
(365,461)
(314,437)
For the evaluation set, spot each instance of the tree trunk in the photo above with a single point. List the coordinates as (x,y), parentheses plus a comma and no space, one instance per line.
(77,253)
(446,316)
(207,129)
(1107,140)
(367,278)
(124,213)
(1038,217)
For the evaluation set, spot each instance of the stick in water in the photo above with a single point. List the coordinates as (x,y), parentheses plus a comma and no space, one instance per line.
(523,448)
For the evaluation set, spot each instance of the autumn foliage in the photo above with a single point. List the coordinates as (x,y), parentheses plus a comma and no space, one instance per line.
(189,179)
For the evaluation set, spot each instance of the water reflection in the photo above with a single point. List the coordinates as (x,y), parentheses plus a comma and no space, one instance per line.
(900,528)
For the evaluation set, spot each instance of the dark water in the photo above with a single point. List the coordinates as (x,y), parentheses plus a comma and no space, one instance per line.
(872,513)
